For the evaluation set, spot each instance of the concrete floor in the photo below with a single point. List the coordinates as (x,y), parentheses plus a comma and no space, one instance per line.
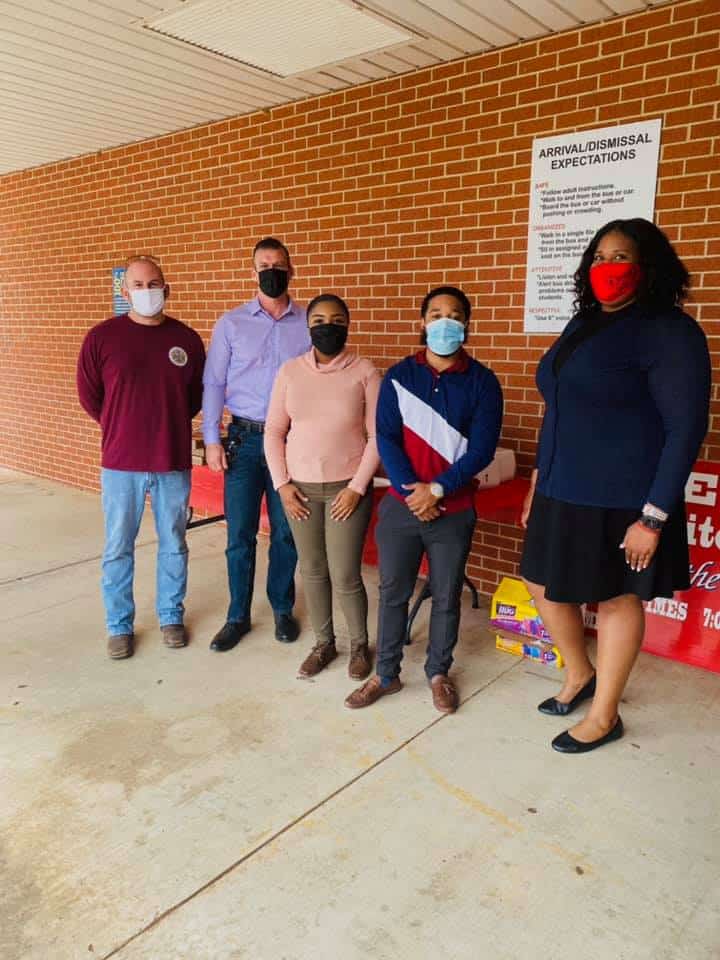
(185,805)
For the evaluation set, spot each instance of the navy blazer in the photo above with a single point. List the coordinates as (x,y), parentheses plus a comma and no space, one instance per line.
(627,412)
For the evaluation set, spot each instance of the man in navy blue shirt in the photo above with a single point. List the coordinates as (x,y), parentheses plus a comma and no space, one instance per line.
(438,422)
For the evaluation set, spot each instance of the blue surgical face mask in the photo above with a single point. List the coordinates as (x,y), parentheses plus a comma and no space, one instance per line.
(445,336)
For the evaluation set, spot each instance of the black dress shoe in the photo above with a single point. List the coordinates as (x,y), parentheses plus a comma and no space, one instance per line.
(230,635)
(566,743)
(554,708)
(286,628)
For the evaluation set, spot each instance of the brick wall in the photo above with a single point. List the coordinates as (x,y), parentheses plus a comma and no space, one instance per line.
(380,192)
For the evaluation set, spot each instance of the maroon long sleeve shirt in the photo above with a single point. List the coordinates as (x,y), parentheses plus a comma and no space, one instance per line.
(143,384)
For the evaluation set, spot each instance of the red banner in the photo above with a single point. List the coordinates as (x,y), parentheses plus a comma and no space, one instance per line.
(687,628)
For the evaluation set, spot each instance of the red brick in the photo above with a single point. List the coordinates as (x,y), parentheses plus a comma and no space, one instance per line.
(698,44)
(691,11)
(608,67)
(562,75)
(709,23)
(562,41)
(537,64)
(602,31)
(648,21)
(694,81)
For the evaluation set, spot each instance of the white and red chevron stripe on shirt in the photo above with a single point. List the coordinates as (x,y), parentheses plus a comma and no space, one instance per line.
(441,427)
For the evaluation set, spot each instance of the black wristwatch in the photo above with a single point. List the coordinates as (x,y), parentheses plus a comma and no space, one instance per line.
(652,523)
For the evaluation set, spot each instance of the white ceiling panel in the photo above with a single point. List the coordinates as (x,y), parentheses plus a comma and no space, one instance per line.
(588,10)
(439,48)
(373,68)
(325,78)
(475,23)
(409,55)
(624,6)
(77,76)
(285,37)
(352,74)
(554,16)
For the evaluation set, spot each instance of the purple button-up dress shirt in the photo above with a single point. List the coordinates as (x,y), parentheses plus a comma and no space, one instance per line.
(247,349)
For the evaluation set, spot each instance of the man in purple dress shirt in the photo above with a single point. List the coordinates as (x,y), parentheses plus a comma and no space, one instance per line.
(248,347)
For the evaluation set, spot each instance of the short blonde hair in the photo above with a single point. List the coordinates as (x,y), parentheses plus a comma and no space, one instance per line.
(143,258)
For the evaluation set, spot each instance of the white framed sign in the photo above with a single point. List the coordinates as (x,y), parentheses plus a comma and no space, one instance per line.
(579,182)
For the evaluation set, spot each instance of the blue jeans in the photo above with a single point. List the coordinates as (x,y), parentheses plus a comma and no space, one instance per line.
(246,480)
(123,502)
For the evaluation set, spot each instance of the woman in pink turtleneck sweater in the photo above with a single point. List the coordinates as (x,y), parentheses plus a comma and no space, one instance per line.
(321,452)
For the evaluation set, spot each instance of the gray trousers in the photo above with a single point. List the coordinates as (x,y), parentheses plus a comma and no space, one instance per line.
(330,557)
(402,540)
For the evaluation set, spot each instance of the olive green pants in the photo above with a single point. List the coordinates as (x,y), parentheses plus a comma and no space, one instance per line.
(330,560)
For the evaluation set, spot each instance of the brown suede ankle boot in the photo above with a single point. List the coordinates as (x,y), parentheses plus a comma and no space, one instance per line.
(319,657)
(360,662)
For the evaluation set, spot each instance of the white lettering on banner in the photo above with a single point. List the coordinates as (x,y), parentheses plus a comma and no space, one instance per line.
(711,619)
(687,626)
(704,577)
(672,609)
(703,535)
(700,489)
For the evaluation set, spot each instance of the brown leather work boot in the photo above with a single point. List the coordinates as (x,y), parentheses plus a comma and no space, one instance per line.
(360,663)
(319,657)
(444,694)
(120,646)
(371,691)
(174,635)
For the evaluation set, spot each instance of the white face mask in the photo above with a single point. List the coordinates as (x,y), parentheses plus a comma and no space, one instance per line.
(148,303)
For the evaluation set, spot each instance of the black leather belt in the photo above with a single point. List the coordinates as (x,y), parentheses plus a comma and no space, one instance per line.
(254,426)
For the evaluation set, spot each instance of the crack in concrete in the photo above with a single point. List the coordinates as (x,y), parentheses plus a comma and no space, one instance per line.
(64,566)
(71,563)
(156,921)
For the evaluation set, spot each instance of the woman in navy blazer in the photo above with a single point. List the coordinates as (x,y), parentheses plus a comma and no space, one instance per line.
(626,389)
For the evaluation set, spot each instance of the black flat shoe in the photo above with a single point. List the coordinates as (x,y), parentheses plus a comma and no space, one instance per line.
(554,708)
(566,743)
(230,635)
(286,628)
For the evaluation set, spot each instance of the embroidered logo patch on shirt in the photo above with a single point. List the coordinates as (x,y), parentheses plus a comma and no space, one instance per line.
(178,356)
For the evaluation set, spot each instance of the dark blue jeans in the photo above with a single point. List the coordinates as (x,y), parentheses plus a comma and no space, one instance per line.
(401,540)
(246,480)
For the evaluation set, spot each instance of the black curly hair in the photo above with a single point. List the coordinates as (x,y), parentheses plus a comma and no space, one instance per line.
(665,280)
(447,292)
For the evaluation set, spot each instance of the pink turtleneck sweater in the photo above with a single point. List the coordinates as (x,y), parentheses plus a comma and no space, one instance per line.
(320,425)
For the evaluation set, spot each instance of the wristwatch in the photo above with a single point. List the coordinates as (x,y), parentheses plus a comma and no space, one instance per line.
(651,523)
(436,490)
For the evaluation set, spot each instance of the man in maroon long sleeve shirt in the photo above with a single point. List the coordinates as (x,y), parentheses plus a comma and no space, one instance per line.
(140,376)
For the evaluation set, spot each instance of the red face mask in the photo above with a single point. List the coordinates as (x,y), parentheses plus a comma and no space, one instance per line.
(615,282)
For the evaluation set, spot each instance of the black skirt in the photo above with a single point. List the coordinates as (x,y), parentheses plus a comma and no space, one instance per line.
(574,552)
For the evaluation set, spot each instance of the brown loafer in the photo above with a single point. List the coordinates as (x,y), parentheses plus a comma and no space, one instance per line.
(360,663)
(319,657)
(120,646)
(444,694)
(371,691)
(174,635)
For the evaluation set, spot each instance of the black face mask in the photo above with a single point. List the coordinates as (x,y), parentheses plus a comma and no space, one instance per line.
(273,282)
(329,338)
